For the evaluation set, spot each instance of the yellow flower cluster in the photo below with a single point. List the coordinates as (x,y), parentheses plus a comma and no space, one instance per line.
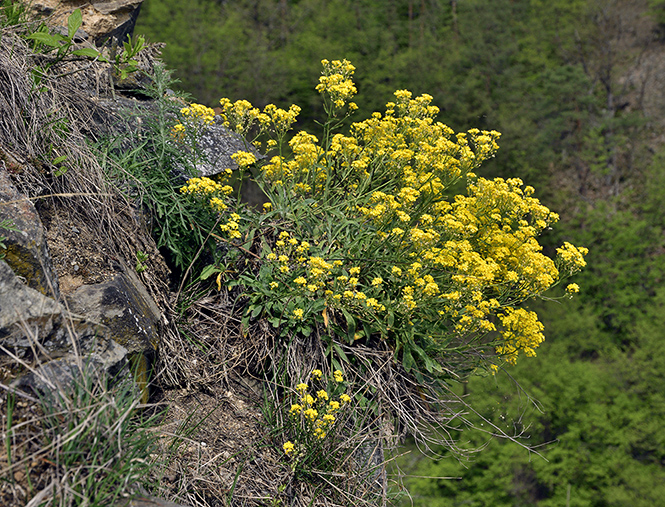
(314,415)
(313,277)
(243,158)
(571,257)
(241,117)
(205,185)
(302,168)
(178,131)
(336,82)
(232,227)
(199,112)
(288,447)
(212,190)
(280,119)
(521,331)
(444,268)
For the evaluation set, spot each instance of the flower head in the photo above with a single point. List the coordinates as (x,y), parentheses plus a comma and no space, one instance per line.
(288,447)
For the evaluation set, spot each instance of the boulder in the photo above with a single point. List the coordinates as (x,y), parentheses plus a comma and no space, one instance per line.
(216,144)
(26,251)
(102,20)
(102,358)
(37,333)
(27,316)
(124,306)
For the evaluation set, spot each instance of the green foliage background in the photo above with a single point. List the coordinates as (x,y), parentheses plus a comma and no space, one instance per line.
(551,76)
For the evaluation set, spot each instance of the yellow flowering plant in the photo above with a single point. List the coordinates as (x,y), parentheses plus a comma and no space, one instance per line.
(312,423)
(364,241)
(369,243)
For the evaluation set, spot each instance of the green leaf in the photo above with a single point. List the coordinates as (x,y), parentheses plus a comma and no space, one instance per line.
(391,319)
(59,171)
(46,38)
(407,360)
(74,23)
(58,160)
(208,271)
(350,324)
(90,52)
(256,311)
(340,353)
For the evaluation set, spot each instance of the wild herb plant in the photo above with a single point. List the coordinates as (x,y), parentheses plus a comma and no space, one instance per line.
(312,414)
(123,62)
(154,167)
(363,239)
(12,13)
(320,429)
(57,46)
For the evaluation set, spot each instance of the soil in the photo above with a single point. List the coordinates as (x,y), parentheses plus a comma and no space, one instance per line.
(218,443)
(77,256)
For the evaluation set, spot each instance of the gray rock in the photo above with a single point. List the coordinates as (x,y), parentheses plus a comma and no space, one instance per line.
(104,357)
(26,253)
(26,315)
(124,306)
(216,144)
(37,330)
(32,324)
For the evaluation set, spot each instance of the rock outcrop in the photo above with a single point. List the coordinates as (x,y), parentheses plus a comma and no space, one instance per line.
(42,342)
(26,252)
(67,285)
(102,20)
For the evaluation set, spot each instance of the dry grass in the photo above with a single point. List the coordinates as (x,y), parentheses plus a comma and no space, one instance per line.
(38,126)
(84,442)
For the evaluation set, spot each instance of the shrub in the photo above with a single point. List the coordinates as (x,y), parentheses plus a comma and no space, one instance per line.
(384,240)
(367,240)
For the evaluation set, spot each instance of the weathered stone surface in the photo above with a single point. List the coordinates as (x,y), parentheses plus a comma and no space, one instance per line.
(24,311)
(26,253)
(103,355)
(31,323)
(123,305)
(101,19)
(37,329)
(217,143)
(121,115)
